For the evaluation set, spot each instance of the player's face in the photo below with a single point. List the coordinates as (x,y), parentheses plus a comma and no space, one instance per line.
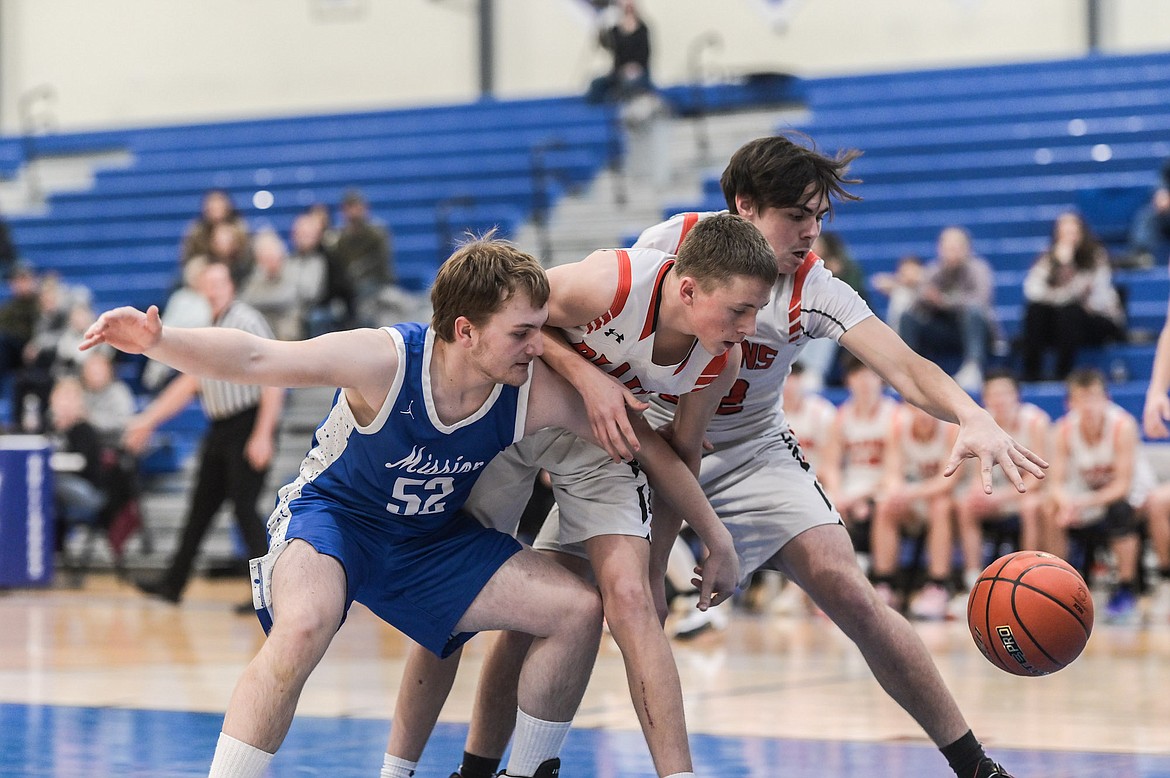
(507,343)
(1089,401)
(725,314)
(864,384)
(790,231)
(1001,399)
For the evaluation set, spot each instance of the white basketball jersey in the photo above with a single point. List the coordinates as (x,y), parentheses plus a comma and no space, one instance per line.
(1091,463)
(811,423)
(621,341)
(810,303)
(863,445)
(922,458)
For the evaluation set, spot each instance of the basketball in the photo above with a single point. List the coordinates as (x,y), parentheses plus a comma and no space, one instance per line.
(1030,613)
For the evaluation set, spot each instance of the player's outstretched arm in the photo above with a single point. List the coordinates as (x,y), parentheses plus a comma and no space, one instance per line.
(924,384)
(1157,408)
(361,359)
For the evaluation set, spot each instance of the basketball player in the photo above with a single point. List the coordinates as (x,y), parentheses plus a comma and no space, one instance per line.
(810,416)
(916,496)
(1099,482)
(1031,426)
(852,466)
(420,412)
(761,486)
(655,323)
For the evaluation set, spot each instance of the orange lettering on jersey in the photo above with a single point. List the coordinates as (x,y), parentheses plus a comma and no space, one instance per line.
(587,351)
(757,356)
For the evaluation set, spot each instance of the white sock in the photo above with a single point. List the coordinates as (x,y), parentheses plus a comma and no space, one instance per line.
(393,767)
(236,759)
(681,775)
(535,741)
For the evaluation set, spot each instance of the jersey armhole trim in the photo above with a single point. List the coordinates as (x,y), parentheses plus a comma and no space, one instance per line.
(395,387)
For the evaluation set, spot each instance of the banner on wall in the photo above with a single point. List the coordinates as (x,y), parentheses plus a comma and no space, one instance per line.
(778,13)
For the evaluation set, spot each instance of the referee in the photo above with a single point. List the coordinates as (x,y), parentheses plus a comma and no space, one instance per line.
(236,450)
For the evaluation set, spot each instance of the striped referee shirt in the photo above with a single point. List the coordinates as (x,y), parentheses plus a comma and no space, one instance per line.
(223,399)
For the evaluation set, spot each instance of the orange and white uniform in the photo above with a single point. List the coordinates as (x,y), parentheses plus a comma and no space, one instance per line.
(1091,463)
(757,478)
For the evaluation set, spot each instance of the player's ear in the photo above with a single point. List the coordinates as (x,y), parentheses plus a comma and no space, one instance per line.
(686,290)
(463,330)
(745,206)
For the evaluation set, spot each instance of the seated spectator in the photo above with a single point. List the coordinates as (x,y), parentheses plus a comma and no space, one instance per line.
(185,307)
(8,256)
(232,248)
(109,401)
(1030,427)
(217,209)
(363,253)
(78,483)
(916,497)
(63,315)
(1098,483)
(953,312)
(309,266)
(18,318)
(1149,232)
(901,287)
(272,289)
(820,354)
(626,37)
(1070,300)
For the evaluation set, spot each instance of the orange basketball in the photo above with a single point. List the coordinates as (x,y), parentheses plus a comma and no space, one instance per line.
(1030,613)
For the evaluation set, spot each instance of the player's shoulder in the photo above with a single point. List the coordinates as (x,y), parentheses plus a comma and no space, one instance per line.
(668,235)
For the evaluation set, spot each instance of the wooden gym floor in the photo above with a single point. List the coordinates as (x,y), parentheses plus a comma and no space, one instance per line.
(103,681)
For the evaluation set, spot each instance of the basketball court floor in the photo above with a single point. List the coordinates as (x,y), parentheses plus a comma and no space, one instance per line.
(101,681)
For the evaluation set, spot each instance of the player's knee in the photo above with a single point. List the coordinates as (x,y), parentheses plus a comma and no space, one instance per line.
(627,600)
(582,613)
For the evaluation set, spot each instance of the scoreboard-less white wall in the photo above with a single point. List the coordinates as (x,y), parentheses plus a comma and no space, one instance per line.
(126,62)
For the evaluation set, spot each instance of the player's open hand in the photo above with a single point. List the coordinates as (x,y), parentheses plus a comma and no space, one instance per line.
(717,575)
(982,439)
(607,401)
(126,329)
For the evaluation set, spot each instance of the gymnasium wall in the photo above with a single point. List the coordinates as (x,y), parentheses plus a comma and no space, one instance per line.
(130,62)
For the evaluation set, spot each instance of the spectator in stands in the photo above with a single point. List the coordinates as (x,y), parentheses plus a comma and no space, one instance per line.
(953,311)
(1149,232)
(109,400)
(820,355)
(18,317)
(915,497)
(235,452)
(185,307)
(624,34)
(309,266)
(363,252)
(232,248)
(1098,483)
(1070,299)
(272,289)
(217,209)
(8,256)
(63,315)
(78,483)
(901,287)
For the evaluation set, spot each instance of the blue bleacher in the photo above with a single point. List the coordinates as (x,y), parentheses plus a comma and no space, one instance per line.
(1002,150)
(431,174)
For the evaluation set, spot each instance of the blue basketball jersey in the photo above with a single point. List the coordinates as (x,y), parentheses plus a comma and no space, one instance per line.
(406,473)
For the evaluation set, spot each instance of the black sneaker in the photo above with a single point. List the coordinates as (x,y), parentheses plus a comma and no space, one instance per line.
(989,769)
(159,589)
(549,768)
